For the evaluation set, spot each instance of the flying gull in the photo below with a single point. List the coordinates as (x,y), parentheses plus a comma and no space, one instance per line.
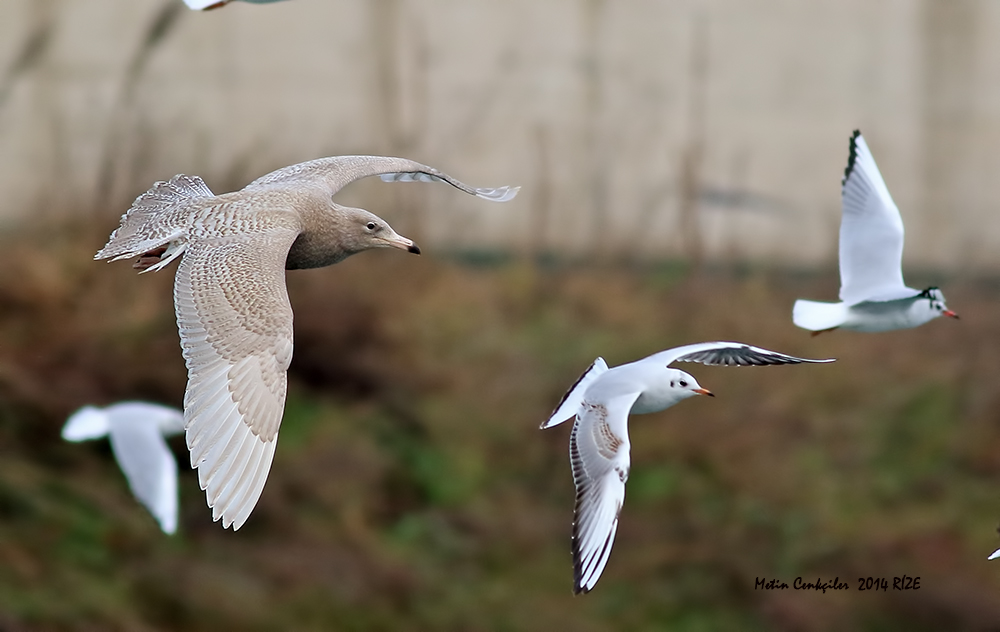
(233,314)
(137,432)
(601,400)
(872,294)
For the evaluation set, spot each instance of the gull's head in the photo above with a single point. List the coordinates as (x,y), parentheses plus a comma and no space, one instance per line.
(935,303)
(683,385)
(366,230)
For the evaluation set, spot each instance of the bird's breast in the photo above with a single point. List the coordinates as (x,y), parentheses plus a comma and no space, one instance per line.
(313,251)
(654,400)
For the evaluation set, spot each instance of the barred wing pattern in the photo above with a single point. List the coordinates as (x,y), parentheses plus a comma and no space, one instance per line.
(235,324)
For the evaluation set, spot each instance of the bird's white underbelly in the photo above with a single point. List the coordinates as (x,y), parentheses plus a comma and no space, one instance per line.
(885,316)
(653,401)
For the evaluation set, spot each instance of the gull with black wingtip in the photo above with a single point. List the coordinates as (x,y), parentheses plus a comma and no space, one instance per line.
(601,401)
(872,293)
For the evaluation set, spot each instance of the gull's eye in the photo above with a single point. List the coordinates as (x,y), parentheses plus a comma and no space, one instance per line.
(370,226)
(683,384)
(671,383)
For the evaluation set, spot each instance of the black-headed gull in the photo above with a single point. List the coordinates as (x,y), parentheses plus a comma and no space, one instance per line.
(872,294)
(233,314)
(137,432)
(601,400)
(206,5)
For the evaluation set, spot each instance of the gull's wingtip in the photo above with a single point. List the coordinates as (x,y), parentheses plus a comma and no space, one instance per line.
(499,194)
(995,555)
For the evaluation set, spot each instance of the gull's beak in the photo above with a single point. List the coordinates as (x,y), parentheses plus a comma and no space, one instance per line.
(950,314)
(398,241)
(703,391)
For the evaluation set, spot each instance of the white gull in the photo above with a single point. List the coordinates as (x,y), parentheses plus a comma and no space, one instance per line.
(873,296)
(137,431)
(601,400)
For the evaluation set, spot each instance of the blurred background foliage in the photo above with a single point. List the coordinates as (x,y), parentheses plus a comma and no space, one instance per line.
(413,490)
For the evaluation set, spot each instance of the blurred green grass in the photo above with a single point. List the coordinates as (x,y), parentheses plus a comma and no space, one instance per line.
(412,489)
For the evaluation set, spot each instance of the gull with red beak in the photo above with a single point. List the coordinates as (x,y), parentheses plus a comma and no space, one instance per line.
(872,293)
(601,401)
(233,314)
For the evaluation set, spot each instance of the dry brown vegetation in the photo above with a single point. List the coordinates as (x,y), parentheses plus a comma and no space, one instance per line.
(412,489)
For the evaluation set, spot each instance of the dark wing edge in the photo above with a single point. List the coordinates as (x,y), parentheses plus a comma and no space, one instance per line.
(743,355)
(852,158)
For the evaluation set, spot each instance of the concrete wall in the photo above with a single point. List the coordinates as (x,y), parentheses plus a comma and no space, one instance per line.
(713,129)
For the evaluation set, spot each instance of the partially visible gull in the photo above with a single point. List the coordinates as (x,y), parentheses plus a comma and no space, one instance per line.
(233,314)
(206,5)
(601,401)
(137,432)
(872,294)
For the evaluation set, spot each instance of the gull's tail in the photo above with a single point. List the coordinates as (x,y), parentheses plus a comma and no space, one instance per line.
(817,316)
(573,398)
(155,220)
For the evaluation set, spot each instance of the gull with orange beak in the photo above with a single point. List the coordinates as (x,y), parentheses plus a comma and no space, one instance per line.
(233,314)
(601,401)
(872,293)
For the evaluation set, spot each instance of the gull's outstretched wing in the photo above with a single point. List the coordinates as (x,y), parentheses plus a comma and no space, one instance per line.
(142,452)
(235,325)
(726,354)
(339,171)
(571,401)
(599,454)
(871,233)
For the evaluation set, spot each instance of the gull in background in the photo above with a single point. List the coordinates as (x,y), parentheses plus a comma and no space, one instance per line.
(601,400)
(872,294)
(137,431)
(207,5)
(233,314)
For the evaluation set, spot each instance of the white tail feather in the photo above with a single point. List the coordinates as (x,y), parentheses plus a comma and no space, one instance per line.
(817,316)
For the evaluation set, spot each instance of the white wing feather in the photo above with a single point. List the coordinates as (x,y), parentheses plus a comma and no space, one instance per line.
(568,407)
(148,464)
(871,233)
(599,454)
